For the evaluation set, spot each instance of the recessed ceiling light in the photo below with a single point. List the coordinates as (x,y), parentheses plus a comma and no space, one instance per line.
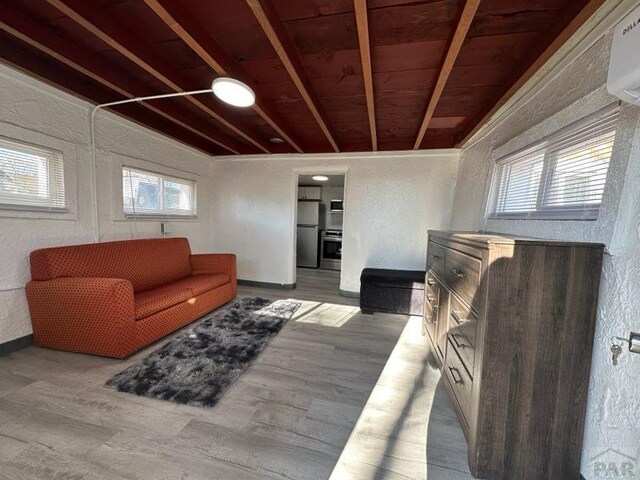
(276,140)
(233,92)
(320,178)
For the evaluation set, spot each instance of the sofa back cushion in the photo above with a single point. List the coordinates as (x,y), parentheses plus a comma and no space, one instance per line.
(147,263)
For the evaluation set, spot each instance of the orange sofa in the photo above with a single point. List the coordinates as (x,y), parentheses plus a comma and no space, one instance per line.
(114,298)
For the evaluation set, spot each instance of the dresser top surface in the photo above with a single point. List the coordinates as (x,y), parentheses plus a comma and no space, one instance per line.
(486,239)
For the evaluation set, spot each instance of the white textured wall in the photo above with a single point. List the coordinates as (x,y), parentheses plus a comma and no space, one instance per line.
(613,416)
(390,202)
(35,112)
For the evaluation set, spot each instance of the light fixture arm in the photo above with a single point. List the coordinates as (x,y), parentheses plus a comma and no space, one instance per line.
(92,134)
(154,97)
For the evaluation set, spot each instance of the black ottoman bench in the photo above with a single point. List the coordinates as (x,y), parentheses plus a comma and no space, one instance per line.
(392,291)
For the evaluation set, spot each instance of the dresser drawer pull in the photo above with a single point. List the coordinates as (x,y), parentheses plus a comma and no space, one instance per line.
(456,316)
(454,337)
(457,273)
(431,281)
(435,257)
(455,372)
(430,298)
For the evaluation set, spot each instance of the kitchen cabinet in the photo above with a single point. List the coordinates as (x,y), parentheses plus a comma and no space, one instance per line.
(309,193)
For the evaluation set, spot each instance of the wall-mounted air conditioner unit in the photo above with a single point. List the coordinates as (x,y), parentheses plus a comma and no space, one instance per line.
(624,65)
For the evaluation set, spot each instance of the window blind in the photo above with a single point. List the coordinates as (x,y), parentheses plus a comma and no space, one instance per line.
(561,177)
(153,194)
(31,177)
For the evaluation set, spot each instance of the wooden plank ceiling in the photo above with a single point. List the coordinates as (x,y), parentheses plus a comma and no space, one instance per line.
(330,75)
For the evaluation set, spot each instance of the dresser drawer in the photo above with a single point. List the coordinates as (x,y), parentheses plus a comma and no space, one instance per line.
(465,349)
(462,274)
(429,324)
(461,382)
(431,310)
(430,280)
(435,258)
(431,299)
(463,319)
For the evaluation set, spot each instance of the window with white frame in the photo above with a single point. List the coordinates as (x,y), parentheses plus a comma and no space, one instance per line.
(31,177)
(147,193)
(561,177)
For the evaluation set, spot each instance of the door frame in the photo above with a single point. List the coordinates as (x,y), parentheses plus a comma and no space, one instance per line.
(317,170)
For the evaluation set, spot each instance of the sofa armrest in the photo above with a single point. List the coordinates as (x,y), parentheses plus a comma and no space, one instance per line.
(210,263)
(89,315)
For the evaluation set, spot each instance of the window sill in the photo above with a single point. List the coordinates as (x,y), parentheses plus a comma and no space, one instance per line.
(156,218)
(9,211)
(32,208)
(542,218)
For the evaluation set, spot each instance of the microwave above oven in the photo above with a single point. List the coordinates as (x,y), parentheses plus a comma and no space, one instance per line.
(336,205)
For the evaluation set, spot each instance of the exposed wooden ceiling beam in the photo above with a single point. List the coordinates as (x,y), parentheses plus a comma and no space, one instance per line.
(560,40)
(84,61)
(199,40)
(268,19)
(466,18)
(362,22)
(135,50)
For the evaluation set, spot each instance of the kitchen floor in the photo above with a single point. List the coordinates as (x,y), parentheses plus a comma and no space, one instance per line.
(337,394)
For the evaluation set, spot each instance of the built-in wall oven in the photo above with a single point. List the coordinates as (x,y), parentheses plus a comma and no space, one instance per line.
(331,249)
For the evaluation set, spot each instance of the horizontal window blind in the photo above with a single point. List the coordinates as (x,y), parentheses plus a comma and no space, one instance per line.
(153,194)
(31,178)
(561,177)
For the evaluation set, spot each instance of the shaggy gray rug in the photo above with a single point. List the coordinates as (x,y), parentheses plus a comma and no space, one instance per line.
(197,366)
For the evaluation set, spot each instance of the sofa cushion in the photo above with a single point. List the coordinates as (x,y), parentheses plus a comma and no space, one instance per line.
(146,263)
(199,284)
(158,299)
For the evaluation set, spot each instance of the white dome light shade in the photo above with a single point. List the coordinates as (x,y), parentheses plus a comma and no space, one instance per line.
(233,92)
(320,178)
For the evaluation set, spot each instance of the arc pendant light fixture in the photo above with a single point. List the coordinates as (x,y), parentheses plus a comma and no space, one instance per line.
(229,90)
(233,92)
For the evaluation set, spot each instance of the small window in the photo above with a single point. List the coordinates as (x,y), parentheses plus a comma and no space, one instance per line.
(31,178)
(561,177)
(154,194)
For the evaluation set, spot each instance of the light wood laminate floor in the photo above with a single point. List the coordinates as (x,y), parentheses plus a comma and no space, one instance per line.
(336,394)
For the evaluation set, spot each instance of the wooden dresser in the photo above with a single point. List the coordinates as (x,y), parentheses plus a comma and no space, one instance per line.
(511,322)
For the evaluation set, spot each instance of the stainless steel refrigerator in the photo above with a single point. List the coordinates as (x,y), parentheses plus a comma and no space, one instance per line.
(308,220)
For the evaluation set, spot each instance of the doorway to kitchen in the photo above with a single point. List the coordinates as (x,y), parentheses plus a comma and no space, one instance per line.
(319,224)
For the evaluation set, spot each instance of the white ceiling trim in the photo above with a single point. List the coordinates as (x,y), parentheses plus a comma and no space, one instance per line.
(452,153)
